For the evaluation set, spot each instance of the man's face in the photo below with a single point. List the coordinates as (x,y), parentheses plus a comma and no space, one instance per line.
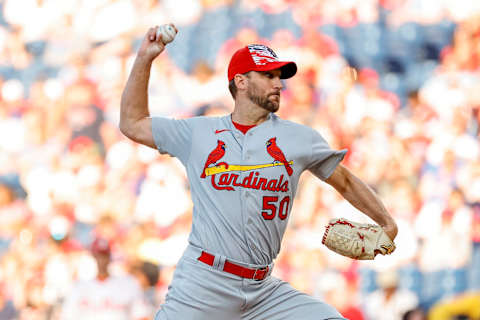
(103,260)
(264,89)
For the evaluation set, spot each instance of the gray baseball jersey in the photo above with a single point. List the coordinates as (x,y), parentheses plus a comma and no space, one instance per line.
(243,186)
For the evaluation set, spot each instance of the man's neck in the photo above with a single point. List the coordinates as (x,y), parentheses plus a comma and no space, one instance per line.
(247,113)
(102,276)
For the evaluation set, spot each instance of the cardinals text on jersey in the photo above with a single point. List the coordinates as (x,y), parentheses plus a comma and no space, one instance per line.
(228,181)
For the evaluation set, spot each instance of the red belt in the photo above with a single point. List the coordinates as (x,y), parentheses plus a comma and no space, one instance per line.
(257,274)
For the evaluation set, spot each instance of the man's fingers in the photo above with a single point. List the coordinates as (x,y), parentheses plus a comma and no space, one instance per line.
(176,30)
(151,34)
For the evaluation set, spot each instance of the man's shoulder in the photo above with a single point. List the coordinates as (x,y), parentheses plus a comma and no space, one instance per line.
(205,119)
(212,118)
(192,118)
(194,123)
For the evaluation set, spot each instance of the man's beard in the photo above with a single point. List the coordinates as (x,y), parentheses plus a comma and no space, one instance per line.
(263,101)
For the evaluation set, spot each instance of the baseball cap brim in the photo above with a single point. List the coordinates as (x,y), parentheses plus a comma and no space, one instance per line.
(288,68)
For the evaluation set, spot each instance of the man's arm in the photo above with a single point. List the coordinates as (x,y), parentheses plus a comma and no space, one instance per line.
(135,121)
(363,198)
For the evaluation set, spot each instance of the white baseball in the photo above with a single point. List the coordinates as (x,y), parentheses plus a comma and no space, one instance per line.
(168,33)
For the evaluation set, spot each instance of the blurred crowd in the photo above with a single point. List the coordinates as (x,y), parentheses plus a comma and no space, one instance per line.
(68,176)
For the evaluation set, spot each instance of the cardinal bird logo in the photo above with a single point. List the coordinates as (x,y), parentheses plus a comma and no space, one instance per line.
(214,156)
(276,153)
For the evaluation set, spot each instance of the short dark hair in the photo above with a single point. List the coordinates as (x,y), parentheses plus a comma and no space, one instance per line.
(233,87)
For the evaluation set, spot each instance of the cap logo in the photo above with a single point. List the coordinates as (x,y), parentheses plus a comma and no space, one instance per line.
(261,54)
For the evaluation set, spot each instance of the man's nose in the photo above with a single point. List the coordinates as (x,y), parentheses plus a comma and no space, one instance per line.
(278,83)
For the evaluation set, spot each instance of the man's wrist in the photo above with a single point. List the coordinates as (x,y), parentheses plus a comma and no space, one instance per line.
(143,59)
(390,228)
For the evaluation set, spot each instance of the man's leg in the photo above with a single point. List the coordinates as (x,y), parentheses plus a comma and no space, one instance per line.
(274,299)
(199,292)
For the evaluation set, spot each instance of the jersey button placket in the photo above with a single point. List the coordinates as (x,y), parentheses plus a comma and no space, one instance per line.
(247,154)
(244,194)
(248,195)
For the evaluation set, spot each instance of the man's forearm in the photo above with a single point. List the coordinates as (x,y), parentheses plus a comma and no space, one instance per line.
(134,103)
(362,197)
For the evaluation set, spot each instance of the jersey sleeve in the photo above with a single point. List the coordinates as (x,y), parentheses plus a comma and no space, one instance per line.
(323,160)
(173,136)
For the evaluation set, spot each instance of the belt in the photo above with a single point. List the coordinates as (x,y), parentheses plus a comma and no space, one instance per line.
(256,274)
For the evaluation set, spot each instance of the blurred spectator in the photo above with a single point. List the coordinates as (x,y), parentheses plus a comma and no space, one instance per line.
(340,290)
(36,307)
(203,86)
(7,309)
(6,195)
(465,306)
(449,226)
(148,275)
(389,302)
(415,314)
(107,296)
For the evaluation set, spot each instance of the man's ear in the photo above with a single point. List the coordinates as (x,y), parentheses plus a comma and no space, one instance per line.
(241,81)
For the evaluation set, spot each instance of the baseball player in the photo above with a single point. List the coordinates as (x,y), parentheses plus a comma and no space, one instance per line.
(243,170)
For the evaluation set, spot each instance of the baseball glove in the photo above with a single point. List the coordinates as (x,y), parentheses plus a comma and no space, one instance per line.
(359,241)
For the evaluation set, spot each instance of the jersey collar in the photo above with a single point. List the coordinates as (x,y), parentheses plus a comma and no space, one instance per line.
(227,120)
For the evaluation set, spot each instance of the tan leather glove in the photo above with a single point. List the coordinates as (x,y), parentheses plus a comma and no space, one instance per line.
(359,241)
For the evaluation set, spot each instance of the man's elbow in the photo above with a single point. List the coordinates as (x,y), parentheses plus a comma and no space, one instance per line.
(139,131)
(126,129)
(123,128)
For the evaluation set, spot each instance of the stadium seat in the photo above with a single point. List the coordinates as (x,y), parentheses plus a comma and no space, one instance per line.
(367,280)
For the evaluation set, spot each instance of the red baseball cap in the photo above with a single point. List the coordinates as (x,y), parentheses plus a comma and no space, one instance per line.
(101,245)
(258,57)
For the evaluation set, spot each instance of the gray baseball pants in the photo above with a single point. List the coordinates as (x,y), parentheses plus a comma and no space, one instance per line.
(202,292)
